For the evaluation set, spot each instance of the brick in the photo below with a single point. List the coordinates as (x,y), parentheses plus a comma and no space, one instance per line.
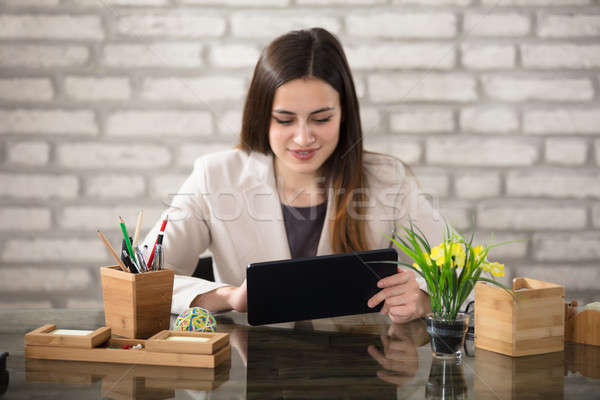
(489,120)
(170,24)
(166,186)
(15,304)
(159,123)
(511,251)
(474,151)
(433,2)
(26,89)
(540,89)
(433,181)
(530,216)
(578,25)
(422,121)
(230,123)
(477,185)
(488,56)
(108,186)
(597,151)
(567,247)
(370,120)
(95,155)
(405,25)
(241,3)
(252,24)
(85,303)
(544,3)
(408,151)
(409,56)
(554,184)
(92,88)
(188,153)
(29,3)
(421,87)
(194,90)
(20,279)
(105,218)
(596,215)
(48,122)
(161,55)
(234,55)
(106,3)
(574,277)
(28,153)
(457,215)
(82,27)
(35,186)
(42,56)
(510,25)
(565,151)
(562,121)
(24,219)
(548,56)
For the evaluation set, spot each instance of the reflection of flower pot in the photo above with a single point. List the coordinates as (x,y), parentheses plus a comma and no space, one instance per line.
(447,337)
(446,380)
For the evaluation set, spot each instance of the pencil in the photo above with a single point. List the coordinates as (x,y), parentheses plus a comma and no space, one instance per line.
(126,236)
(112,251)
(138,228)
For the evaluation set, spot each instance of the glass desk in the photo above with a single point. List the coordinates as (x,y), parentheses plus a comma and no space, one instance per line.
(357,357)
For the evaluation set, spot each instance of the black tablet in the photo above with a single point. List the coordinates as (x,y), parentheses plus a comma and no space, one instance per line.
(316,287)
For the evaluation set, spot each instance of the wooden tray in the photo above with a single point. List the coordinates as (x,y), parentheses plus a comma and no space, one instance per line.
(44,336)
(104,352)
(163,342)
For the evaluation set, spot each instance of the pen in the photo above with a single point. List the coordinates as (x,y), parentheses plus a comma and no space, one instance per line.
(138,228)
(140,258)
(127,260)
(158,258)
(126,236)
(112,251)
(161,232)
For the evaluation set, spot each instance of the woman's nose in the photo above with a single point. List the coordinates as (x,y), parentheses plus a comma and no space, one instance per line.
(303,136)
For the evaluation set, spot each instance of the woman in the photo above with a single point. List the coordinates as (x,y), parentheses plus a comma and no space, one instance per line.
(298,184)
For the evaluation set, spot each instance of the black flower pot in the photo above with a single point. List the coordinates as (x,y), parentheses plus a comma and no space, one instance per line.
(447,336)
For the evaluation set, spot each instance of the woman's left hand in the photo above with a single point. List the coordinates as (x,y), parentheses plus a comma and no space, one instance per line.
(403,300)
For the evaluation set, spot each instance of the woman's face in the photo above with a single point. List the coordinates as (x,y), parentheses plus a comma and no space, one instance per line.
(305,125)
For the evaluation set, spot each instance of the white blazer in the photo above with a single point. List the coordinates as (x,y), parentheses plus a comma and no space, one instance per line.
(230,206)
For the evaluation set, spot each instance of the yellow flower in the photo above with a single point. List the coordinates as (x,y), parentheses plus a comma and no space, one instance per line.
(437,255)
(497,269)
(485,266)
(477,251)
(458,255)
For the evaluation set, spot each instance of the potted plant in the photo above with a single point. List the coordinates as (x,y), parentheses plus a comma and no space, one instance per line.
(450,270)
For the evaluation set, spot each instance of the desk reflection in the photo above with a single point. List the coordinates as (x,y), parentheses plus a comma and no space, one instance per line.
(126,381)
(446,380)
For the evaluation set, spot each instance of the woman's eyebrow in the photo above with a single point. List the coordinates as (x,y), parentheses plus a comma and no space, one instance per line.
(280,111)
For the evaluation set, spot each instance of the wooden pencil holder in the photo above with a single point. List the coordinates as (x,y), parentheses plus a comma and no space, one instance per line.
(532,323)
(137,306)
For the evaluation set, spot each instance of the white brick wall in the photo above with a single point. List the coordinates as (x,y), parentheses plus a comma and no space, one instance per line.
(104,106)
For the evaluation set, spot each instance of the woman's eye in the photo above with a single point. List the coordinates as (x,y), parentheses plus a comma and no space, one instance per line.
(283,121)
(323,120)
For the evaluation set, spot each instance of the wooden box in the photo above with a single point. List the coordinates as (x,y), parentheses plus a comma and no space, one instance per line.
(583,327)
(187,342)
(48,335)
(530,323)
(137,305)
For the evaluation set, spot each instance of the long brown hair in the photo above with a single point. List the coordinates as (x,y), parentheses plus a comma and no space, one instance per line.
(314,53)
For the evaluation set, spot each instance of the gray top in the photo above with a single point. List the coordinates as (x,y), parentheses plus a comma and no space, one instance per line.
(303,227)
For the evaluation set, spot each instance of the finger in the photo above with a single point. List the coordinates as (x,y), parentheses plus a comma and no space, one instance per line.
(401,300)
(376,354)
(386,293)
(399,278)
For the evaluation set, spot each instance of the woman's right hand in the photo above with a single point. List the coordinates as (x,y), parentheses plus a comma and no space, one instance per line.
(238,298)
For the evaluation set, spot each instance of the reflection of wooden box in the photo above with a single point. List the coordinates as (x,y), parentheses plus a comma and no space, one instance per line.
(502,377)
(137,305)
(531,323)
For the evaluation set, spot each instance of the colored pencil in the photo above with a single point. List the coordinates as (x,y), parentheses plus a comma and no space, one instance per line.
(138,228)
(126,236)
(112,252)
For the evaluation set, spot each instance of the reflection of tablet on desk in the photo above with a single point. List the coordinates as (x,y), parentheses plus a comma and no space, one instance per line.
(316,287)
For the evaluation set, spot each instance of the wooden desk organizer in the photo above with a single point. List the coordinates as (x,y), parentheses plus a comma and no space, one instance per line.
(137,305)
(173,353)
(583,327)
(533,323)
(45,336)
